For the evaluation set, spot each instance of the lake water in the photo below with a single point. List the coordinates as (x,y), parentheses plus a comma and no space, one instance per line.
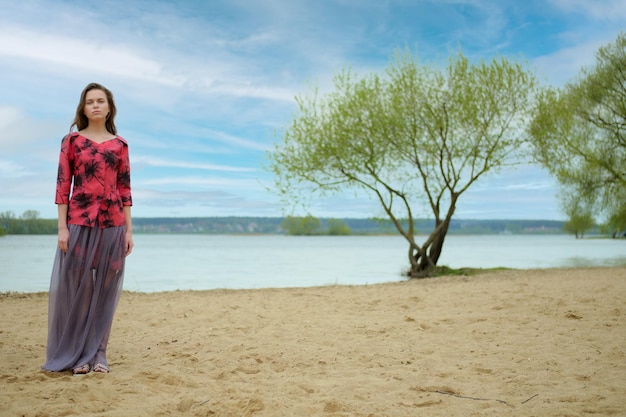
(178,262)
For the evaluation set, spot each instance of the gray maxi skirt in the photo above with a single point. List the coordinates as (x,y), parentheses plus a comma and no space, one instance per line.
(85,287)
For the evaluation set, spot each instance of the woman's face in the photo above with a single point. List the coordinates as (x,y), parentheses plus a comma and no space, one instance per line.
(96,105)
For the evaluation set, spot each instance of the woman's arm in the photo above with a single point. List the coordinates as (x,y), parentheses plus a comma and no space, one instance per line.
(64,233)
(129,231)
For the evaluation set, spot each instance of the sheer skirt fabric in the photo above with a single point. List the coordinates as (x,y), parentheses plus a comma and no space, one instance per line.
(85,287)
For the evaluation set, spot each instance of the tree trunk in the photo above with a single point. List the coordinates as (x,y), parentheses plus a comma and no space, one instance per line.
(424,259)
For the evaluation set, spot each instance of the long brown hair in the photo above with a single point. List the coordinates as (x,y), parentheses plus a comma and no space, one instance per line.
(80,120)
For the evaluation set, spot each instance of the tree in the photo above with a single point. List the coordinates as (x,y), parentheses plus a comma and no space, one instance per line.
(413,137)
(30,215)
(616,223)
(7,221)
(578,224)
(7,215)
(579,132)
(301,226)
(338,227)
(28,223)
(580,215)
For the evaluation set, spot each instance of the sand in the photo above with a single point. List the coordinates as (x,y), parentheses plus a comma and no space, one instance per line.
(510,343)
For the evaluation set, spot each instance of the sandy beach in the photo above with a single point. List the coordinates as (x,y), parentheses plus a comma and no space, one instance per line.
(509,343)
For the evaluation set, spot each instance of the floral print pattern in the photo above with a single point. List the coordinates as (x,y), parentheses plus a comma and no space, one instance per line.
(100,173)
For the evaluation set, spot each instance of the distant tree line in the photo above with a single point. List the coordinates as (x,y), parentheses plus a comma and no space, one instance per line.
(309,225)
(31,223)
(28,223)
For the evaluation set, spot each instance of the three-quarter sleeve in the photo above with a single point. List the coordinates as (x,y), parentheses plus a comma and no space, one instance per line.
(123,177)
(64,174)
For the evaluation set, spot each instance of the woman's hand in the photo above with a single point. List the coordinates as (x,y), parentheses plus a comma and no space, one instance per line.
(64,239)
(129,243)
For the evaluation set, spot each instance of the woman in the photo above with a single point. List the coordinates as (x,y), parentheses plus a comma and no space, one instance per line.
(95,236)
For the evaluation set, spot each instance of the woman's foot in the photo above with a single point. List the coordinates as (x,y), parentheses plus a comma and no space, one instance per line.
(101,368)
(81,370)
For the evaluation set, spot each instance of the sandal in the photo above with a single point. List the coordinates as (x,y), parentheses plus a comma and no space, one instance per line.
(101,368)
(81,370)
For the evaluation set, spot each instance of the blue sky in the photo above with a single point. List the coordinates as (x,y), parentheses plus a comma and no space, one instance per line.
(203,87)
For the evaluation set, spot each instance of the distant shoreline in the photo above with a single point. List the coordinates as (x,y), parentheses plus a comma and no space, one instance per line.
(272,225)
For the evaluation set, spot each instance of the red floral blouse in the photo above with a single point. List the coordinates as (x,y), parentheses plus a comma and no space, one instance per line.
(101,176)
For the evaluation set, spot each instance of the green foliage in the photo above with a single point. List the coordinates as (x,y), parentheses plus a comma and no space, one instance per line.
(338,227)
(309,225)
(30,215)
(415,138)
(579,132)
(616,223)
(7,215)
(579,211)
(301,226)
(579,224)
(29,223)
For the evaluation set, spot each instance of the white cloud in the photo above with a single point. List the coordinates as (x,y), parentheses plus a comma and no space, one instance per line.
(94,57)
(228,183)
(150,203)
(19,130)
(564,64)
(230,139)
(528,186)
(609,10)
(8,116)
(10,169)
(141,161)
(215,73)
